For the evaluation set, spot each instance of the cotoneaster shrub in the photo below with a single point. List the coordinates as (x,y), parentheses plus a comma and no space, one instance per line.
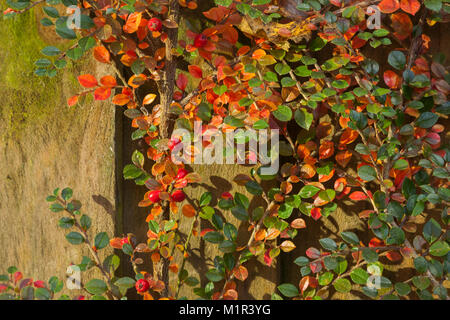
(263,64)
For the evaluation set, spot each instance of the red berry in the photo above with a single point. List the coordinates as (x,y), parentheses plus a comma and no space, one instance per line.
(200,41)
(154,196)
(178,196)
(154,24)
(181,173)
(142,285)
(123,241)
(227,195)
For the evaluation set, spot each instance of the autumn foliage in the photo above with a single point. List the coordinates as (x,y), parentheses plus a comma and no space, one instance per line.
(357,128)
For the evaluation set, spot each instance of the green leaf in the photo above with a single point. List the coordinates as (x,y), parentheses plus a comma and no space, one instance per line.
(63,31)
(50,51)
(401,164)
(101,240)
(325,278)
(350,237)
(214,275)
(206,212)
(85,222)
(51,12)
(342,285)
(56,207)
(75,238)
(285,211)
(434,5)
(283,113)
(303,118)
(42,294)
(397,59)
(359,276)
(234,122)
(131,172)
(125,282)
(66,222)
(96,286)
(308,191)
(254,188)
(213,237)
(137,158)
(427,120)
(369,255)
(431,230)
(402,289)
(439,249)
(240,213)
(282,68)
(288,290)
(288,82)
(328,244)
(367,173)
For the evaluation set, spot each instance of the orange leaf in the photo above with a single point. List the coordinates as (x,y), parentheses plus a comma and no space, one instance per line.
(343,158)
(102,93)
(307,171)
(410,6)
(358,195)
(133,22)
(108,81)
(101,54)
(230,295)
(348,136)
(195,71)
(258,54)
(389,6)
(402,25)
(72,101)
(298,223)
(260,235)
(243,50)
(121,99)
(149,98)
(87,81)
(326,150)
(188,211)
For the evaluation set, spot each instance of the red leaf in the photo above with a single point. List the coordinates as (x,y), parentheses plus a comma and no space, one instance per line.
(389,6)
(358,195)
(313,253)
(182,81)
(315,266)
(391,79)
(267,258)
(196,72)
(410,6)
(87,81)
(102,93)
(316,213)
